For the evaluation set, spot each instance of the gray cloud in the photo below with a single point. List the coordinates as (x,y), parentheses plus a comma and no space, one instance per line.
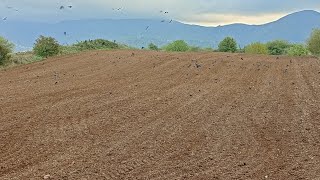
(195,11)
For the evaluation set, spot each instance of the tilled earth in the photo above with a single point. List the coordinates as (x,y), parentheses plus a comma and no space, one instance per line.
(155,115)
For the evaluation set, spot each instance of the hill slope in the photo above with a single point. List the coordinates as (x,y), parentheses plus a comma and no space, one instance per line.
(154,115)
(295,27)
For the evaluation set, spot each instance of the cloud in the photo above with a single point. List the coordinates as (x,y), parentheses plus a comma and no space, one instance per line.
(205,12)
(223,19)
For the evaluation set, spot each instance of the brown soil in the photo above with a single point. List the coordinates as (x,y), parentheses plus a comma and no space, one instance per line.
(155,115)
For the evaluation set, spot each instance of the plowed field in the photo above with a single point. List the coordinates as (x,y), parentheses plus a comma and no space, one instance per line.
(156,115)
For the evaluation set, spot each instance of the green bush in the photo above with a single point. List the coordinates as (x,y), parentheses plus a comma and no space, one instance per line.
(153,47)
(178,46)
(6,48)
(240,50)
(46,46)
(96,45)
(195,49)
(313,42)
(256,48)
(297,50)
(278,47)
(228,44)
(24,58)
(208,49)
(69,49)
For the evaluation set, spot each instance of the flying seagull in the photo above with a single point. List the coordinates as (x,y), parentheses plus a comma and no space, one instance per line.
(61,7)
(70,7)
(5,18)
(147,27)
(170,21)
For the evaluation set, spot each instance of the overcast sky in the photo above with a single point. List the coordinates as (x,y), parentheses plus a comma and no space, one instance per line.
(202,12)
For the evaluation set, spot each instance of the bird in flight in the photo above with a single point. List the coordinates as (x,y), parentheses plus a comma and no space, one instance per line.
(65,33)
(61,7)
(165,12)
(10,7)
(5,18)
(116,9)
(147,27)
(170,21)
(70,7)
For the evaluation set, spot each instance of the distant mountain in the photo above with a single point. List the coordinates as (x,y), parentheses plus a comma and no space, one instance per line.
(294,27)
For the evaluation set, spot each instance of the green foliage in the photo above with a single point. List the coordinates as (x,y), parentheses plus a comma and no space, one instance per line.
(240,50)
(178,46)
(208,49)
(195,49)
(69,49)
(199,49)
(313,42)
(297,50)
(46,46)
(24,58)
(256,48)
(278,47)
(153,47)
(97,44)
(6,48)
(228,44)
(124,46)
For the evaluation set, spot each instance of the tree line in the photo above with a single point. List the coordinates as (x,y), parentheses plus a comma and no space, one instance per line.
(48,46)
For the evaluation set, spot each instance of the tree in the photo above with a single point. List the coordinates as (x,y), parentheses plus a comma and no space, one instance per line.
(278,47)
(152,46)
(313,42)
(228,44)
(179,46)
(46,46)
(256,48)
(6,48)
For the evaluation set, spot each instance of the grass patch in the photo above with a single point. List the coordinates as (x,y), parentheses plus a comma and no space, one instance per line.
(21,58)
(24,58)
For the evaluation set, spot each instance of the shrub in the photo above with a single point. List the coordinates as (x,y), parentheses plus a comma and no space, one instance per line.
(96,44)
(153,47)
(297,50)
(208,49)
(278,47)
(46,46)
(69,49)
(313,42)
(195,49)
(240,50)
(256,48)
(179,46)
(6,48)
(24,58)
(228,44)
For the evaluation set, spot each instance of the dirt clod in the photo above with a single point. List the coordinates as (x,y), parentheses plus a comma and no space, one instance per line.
(47,176)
